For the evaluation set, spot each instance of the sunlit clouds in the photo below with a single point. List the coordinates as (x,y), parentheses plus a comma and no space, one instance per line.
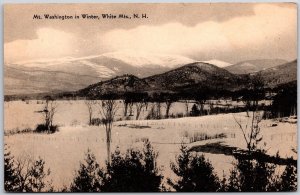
(271,32)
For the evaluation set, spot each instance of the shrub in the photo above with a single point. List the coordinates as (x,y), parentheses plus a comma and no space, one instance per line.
(42,128)
(200,136)
(37,175)
(89,177)
(10,176)
(195,173)
(285,102)
(259,176)
(135,171)
(251,175)
(25,175)
(18,131)
(96,121)
(288,180)
(195,110)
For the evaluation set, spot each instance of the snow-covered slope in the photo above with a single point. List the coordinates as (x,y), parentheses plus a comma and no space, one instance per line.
(142,59)
(109,64)
(218,63)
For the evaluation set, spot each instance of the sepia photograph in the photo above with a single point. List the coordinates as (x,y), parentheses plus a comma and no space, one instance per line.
(150,97)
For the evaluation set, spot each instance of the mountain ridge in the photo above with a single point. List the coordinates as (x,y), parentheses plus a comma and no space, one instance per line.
(251,66)
(194,76)
(72,77)
(57,74)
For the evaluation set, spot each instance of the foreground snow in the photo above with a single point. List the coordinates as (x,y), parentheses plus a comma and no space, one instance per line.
(63,150)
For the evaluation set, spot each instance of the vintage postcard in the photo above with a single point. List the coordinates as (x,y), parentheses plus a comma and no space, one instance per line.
(132,97)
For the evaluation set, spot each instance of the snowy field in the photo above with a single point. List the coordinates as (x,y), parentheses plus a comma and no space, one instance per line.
(63,150)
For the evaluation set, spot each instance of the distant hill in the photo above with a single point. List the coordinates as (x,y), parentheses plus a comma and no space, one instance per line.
(24,80)
(117,85)
(279,75)
(252,66)
(194,76)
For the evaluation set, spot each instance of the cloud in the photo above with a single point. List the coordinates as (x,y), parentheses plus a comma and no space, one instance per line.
(50,43)
(269,32)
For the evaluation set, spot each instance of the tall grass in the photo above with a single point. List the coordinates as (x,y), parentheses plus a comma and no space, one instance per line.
(200,136)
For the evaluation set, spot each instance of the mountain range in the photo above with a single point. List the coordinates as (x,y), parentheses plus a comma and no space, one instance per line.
(193,77)
(127,71)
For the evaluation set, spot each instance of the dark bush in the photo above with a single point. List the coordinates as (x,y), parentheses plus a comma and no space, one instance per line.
(135,171)
(89,177)
(96,121)
(251,176)
(195,110)
(285,102)
(195,173)
(259,176)
(42,128)
(10,173)
(288,180)
(25,175)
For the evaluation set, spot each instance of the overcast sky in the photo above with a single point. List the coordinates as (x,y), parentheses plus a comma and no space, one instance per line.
(228,32)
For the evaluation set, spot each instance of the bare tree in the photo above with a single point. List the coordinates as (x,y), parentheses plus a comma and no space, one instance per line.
(200,98)
(125,102)
(252,137)
(186,104)
(89,104)
(201,104)
(130,108)
(52,111)
(247,105)
(251,132)
(168,107)
(48,112)
(158,110)
(23,166)
(146,105)
(167,99)
(139,106)
(108,111)
(211,107)
(257,90)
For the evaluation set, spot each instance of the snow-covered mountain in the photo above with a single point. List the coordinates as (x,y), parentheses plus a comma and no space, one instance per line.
(109,64)
(46,75)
